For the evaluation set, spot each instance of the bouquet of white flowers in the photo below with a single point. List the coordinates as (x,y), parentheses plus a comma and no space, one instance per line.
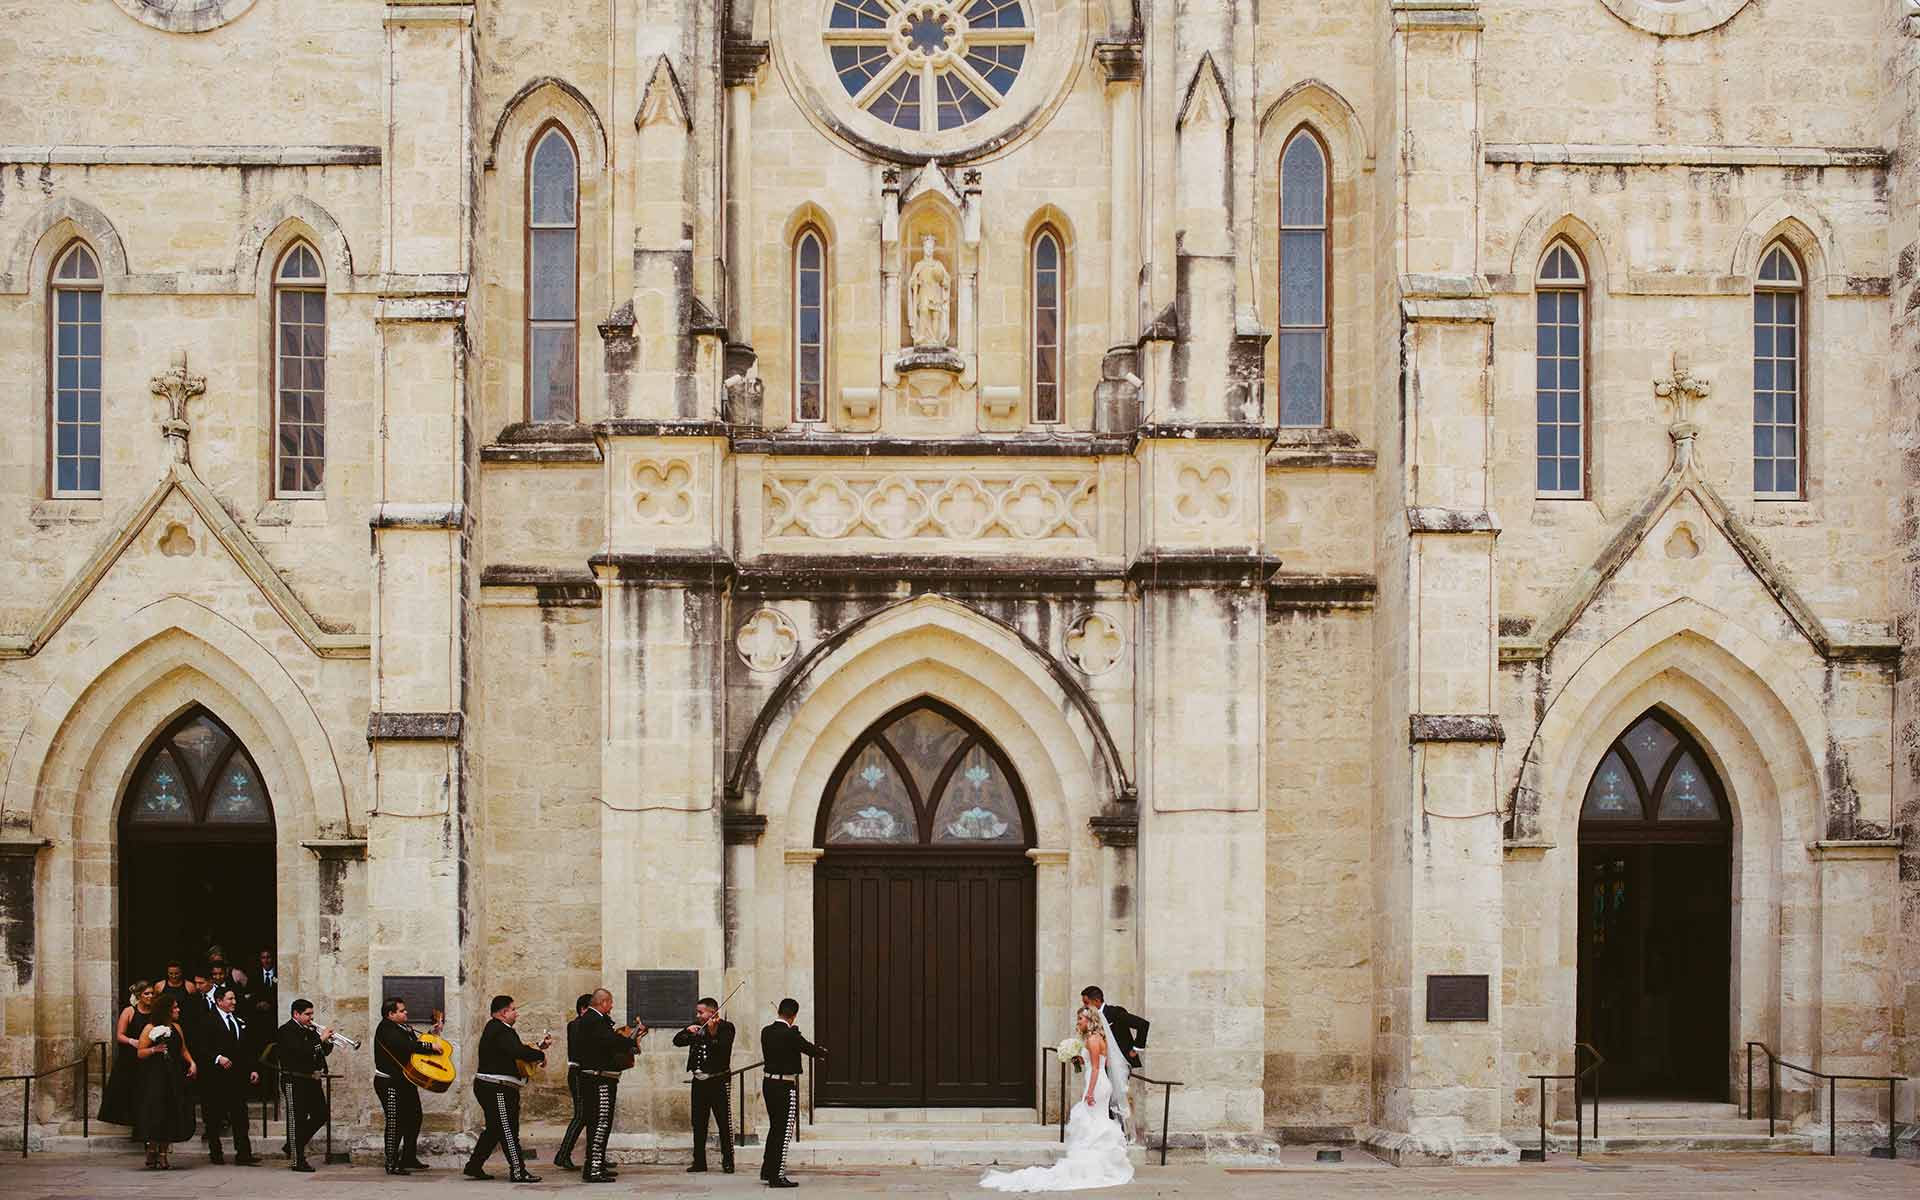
(162,1032)
(1070,1049)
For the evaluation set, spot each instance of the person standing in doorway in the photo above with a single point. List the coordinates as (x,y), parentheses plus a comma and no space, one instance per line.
(782,1045)
(709,1043)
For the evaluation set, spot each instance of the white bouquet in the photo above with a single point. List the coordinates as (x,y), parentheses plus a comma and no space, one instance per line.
(162,1032)
(1070,1049)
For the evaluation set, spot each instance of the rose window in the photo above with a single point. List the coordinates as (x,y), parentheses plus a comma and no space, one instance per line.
(928,65)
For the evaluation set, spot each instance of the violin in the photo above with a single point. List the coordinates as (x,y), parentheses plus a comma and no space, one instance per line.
(435,1071)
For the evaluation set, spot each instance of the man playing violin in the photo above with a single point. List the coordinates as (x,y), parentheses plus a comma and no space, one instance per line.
(497,1087)
(709,1043)
(605,1051)
(393,1045)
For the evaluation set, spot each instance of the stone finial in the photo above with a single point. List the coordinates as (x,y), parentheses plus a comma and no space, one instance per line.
(176,386)
(1682,391)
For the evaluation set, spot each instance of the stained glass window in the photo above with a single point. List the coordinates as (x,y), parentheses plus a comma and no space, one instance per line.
(1777,406)
(924,776)
(73,374)
(1047,322)
(809,326)
(928,65)
(1654,776)
(553,271)
(198,773)
(300,371)
(1560,423)
(1305,287)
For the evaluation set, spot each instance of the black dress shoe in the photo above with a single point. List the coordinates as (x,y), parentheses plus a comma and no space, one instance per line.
(303,1168)
(523,1177)
(475,1171)
(601,1178)
(727,1169)
(398,1171)
(246,1160)
(781,1183)
(565,1162)
(216,1158)
(696,1168)
(414,1164)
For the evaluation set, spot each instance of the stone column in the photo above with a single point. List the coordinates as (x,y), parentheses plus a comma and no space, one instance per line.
(1438,843)
(741,62)
(425,915)
(1119,63)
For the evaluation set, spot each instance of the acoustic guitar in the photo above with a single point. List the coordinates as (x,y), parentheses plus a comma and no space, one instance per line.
(527,1068)
(434,1072)
(632,1032)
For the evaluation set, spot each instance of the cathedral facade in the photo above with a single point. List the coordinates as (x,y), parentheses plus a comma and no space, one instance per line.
(1380,532)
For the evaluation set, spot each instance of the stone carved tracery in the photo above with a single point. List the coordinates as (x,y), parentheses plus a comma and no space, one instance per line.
(1022,506)
(768,640)
(1205,495)
(663,491)
(1095,644)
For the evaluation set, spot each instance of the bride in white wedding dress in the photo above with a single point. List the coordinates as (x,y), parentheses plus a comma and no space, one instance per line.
(1096,1154)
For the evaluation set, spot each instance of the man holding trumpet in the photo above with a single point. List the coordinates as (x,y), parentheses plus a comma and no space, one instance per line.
(301,1053)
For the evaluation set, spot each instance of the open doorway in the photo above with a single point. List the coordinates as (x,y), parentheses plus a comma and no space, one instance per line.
(1656,913)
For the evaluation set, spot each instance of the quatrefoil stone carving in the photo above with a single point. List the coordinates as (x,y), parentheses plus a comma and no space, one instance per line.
(1095,644)
(767,641)
(1205,496)
(663,492)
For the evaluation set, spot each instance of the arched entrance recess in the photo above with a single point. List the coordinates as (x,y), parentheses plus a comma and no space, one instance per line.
(1656,915)
(197,857)
(924,918)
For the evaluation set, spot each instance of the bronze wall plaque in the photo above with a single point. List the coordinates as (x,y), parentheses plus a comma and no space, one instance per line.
(1458,998)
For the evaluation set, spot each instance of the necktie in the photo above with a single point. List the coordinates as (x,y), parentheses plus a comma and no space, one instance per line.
(231,1027)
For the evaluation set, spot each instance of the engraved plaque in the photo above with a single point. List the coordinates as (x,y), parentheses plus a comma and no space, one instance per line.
(421,993)
(1458,998)
(663,999)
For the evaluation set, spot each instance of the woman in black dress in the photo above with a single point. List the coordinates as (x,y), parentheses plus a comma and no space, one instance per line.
(117,1100)
(164,1114)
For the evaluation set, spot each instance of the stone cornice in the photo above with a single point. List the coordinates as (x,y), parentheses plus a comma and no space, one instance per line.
(22,846)
(418,516)
(1439,16)
(1201,569)
(337,849)
(1433,519)
(743,829)
(414,726)
(692,568)
(191,156)
(1595,154)
(1301,591)
(741,60)
(1120,60)
(1115,829)
(1454,727)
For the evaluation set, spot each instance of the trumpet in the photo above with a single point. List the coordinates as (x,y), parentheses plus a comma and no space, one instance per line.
(341,1037)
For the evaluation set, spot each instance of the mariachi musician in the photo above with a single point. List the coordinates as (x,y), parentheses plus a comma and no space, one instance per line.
(577,1124)
(301,1052)
(709,1043)
(605,1051)
(393,1045)
(497,1087)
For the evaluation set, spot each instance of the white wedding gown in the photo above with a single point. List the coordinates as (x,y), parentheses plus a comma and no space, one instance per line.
(1096,1154)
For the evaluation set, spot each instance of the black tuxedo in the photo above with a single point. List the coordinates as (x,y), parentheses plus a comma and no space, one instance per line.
(1129,1031)
(709,1056)
(782,1046)
(223,1089)
(301,1058)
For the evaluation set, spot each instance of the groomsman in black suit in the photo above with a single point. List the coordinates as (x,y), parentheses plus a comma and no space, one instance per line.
(781,1046)
(1129,1030)
(225,1074)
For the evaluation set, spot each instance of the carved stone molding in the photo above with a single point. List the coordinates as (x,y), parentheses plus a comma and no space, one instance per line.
(1115,830)
(1682,391)
(663,491)
(414,726)
(1464,727)
(177,385)
(1024,506)
(742,829)
(1095,644)
(1206,494)
(767,641)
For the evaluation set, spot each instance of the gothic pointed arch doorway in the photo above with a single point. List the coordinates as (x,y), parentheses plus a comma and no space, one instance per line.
(924,918)
(1656,915)
(197,865)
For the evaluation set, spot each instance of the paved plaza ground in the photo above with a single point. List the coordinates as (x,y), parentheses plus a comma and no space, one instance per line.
(1694,1176)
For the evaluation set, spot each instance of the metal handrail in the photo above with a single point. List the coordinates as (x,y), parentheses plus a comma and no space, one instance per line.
(1166,1107)
(1775,1062)
(84,1062)
(1578,1077)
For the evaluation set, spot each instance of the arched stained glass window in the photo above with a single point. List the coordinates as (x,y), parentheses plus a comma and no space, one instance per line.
(1560,374)
(1306,289)
(809,326)
(300,371)
(925,776)
(73,373)
(1779,410)
(1654,784)
(553,278)
(198,774)
(1048,323)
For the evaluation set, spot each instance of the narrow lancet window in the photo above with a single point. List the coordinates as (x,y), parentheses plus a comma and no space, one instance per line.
(1305,284)
(1779,406)
(809,326)
(1560,374)
(553,278)
(300,372)
(1048,324)
(74,373)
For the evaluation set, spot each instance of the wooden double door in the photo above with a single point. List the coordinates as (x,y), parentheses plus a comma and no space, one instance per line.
(924,973)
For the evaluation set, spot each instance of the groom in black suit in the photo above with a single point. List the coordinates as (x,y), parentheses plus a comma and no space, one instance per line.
(1129,1031)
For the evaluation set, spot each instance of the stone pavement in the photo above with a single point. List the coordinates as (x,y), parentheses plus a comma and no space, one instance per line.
(1696,1176)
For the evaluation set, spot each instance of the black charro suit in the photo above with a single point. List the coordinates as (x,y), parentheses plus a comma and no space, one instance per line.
(782,1046)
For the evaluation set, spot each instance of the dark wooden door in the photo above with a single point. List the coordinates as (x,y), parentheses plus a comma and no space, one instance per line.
(925,976)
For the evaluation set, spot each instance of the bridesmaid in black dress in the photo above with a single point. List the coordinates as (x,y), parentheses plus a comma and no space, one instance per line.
(164,1114)
(118,1098)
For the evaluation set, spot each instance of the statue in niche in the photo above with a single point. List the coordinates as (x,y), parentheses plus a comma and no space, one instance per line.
(929,298)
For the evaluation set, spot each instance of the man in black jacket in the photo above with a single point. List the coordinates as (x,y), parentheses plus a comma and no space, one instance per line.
(300,1052)
(1128,1030)
(781,1045)
(709,1043)
(393,1045)
(578,1123)
(496,1085)
(604,1053)
(224,1077)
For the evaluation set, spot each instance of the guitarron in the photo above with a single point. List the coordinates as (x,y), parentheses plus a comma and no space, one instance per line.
(435,1071)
